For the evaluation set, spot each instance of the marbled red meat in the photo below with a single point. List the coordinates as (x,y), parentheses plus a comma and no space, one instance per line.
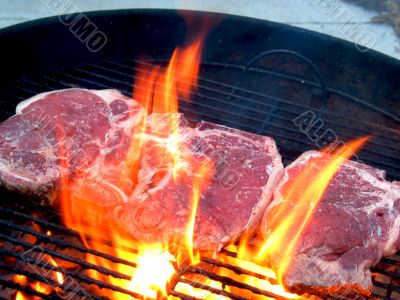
(69,136)
(245,168)
(354,225)
(74,134)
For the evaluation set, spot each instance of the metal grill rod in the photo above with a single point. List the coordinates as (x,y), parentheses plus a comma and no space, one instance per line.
(394,275)
(63,244)
(261,120)
(27,289)
(46,280)
(227,94)
(238,270)
(229,281)
(286,76)
(75,275)
(58,241)
(64,229)
(386,286)
(233,104)
(50,252)
(211,289)
(83,278)
(244,90)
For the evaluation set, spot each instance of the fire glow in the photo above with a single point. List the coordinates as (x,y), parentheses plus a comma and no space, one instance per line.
(305,192)
(153,265)
(149,270)
(39,286)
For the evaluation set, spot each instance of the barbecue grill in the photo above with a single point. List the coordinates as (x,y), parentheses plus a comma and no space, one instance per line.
(304,89)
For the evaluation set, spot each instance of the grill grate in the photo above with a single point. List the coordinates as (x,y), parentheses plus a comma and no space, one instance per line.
(264,109)
(246,109)
(386,281)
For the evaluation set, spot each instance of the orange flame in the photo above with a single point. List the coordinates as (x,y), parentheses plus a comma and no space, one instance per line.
(306,191)
(21,279)
(19,296)
(59,276)
(266,279)
(38,285)
(158,90)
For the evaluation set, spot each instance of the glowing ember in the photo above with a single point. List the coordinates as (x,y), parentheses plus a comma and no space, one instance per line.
(38,285)
(21,279)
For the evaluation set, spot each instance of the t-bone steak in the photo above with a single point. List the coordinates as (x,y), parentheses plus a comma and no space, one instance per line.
(117,164)
(70,134)
(354,225)
(243,170)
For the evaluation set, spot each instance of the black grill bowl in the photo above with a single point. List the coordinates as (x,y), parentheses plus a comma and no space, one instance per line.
(304,89)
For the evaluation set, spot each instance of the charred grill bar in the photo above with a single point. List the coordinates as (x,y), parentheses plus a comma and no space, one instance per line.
(16,227)
(386,280)
(14,219)
(14,249)
(297,96)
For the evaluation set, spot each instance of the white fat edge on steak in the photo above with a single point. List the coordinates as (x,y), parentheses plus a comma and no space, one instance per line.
(146,174)
(107,95)
(389,248)
(24,104)
(275,174)
(6,166)
(118,192)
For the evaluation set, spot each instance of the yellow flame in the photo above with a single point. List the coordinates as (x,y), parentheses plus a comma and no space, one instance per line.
(154,270)
(265,279)
(19,296)
(307,190)
(201,179)
(157,89)
(59,275)
(41,288)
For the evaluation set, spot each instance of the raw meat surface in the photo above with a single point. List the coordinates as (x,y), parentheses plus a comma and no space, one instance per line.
(118,165)
(243,169)
(354,225)
(71,134)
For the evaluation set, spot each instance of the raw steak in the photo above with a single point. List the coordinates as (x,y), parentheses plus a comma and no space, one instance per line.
(244,168)
(97,148)
(74,134)
(355,224)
